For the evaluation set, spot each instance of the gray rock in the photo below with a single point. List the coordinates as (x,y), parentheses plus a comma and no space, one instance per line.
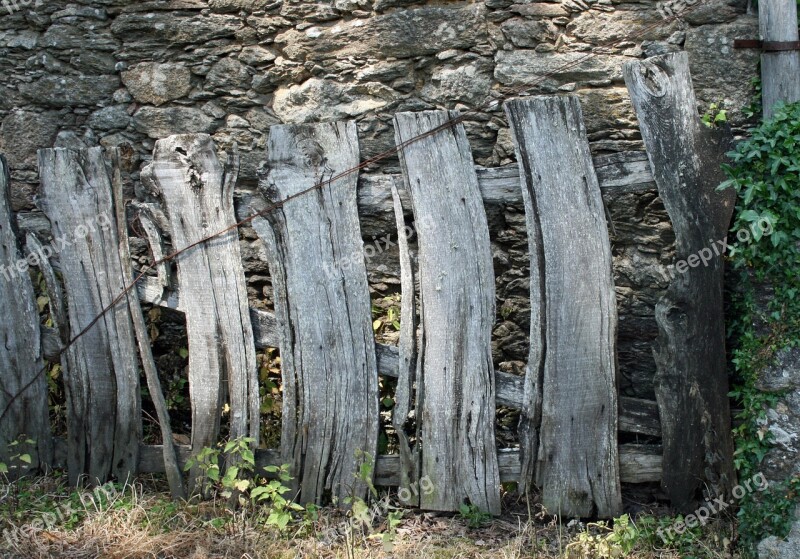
(402,34)
(173,27)
(256,55)
(776,548)
(160,122)
(526,33)
(65,91)
(469,84)
(519,67)
(720,72)
(228,74)
(783,373)
(325,100)
(23,133)
(110,118)
(155,84)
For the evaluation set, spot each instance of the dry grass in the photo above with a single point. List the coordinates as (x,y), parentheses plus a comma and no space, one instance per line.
(141,523)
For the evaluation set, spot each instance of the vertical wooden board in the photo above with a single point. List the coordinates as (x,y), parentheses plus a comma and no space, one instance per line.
(572,365)
(316,259)
(456,394)
(102,374)
(196,189)
(780,71)
(23,398)
(691,380)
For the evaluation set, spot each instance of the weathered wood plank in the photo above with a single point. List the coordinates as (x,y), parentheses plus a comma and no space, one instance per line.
(319,276)
(570,393)
(691,381)
(23,408)
(407,365)
(456,406)
(638,463)
(197,192)
(780,71)
(101,378)
(639,416)
(172,470)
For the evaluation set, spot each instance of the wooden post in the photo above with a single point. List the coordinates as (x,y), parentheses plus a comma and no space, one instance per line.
(102,374)
(691,381)
(23,386)
(456,393)
(569,416)
(322,302)
(780,71)
(197,191)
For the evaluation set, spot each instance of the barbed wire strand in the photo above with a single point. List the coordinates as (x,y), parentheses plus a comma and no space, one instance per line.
(489,105)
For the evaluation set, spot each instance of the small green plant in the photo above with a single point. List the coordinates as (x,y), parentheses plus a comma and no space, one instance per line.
(474,516)
(716,115)
(19,460)
(605,542)
(241,485)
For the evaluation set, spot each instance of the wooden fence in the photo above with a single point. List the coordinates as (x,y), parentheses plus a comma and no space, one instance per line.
(570,410)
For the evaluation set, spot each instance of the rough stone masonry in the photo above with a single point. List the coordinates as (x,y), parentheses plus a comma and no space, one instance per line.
(125,73)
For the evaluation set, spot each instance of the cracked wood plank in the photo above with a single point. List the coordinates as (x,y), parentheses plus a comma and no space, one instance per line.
(23,413)
(456,395)
(691,381)
(569,415)
(101,378)
(197,192)
(323,309)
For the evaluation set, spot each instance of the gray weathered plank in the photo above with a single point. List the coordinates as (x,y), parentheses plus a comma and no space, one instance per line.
(197,191)
(319,276)
(570,395)
(456,402)
(691,381)
(407,350)
(780,71)
(171,467)
(638,463)
(101,378)
(23,389)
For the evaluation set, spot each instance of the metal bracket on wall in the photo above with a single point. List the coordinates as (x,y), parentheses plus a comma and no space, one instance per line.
(766,46)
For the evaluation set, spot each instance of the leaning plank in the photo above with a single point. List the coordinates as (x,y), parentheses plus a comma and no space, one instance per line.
(23,392)
(197,192)
(101,378)
(456,406)
(316,259)
(173,471)
(570,407)
(638,463)
(691,383)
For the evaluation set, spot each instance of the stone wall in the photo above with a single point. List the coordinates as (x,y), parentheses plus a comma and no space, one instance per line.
(125,73)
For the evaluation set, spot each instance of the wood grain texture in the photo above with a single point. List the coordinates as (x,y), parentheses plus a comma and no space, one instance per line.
(780,71)
(101,379)
(323,309)
(197,192)
(456,395)
(171,467)
(570,407)
(691,381)
(24,413)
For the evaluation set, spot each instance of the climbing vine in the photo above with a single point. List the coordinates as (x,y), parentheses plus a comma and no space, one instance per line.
(765,303)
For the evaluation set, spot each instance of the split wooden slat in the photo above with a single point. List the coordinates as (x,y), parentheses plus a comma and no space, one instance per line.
(691,381)
(780,71)
(23,387)
(570,410)
(323,309)
(456,397)
(101,378)
(197,192)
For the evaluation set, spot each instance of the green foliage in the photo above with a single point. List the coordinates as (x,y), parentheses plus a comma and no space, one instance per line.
(240,483)
(765,172)
(474,516)
(716,115)
(604,542)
